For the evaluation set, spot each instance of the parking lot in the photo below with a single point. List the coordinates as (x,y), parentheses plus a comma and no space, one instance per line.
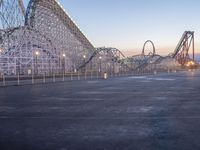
(155,112)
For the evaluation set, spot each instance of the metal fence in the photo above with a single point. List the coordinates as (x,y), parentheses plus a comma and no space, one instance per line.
(17,80)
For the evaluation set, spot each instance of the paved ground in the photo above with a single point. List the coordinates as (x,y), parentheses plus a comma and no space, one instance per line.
(159,112)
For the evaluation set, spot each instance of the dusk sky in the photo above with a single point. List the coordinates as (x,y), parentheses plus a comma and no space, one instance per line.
(127,24)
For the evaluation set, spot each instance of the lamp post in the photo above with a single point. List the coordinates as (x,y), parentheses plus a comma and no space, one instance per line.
(37,54)
(0,55)
(84,57)
(114,65)
(1,51)
(100,68)
(64,56)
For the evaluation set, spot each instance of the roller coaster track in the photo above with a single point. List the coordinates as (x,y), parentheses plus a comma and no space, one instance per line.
(181,52)
(12,14)
(32,18)
(142,60)
(147,59)
(44,27)
(47,28)
(108,51)
(28,29)
(23,10)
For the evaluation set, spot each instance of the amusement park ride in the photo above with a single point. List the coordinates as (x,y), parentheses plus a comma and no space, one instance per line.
(44,39)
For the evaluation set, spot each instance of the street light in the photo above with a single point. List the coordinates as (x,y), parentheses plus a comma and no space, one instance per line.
(100,58)
(84,56)
(64,55)
(37,54)
(1,51)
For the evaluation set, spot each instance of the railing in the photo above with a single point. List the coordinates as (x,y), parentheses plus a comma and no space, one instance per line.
(17,80)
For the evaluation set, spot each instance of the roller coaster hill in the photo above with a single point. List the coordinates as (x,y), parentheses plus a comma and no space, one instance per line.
(183,56)
(43,39)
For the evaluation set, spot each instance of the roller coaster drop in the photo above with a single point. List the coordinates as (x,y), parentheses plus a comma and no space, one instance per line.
(180,56)
(44,39)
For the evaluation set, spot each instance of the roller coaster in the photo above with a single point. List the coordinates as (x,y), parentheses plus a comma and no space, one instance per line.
(178,59)
(43,39)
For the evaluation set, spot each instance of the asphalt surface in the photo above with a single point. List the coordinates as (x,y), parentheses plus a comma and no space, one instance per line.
(160,112)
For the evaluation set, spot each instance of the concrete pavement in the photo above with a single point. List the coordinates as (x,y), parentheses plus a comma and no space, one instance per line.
(160,112)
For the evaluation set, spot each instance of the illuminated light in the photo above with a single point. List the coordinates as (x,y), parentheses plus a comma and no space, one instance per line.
(37,53)
(100,57)
(190,64)
(84,56)
(64,55)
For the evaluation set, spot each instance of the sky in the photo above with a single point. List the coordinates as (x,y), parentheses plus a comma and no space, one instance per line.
(127,24)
